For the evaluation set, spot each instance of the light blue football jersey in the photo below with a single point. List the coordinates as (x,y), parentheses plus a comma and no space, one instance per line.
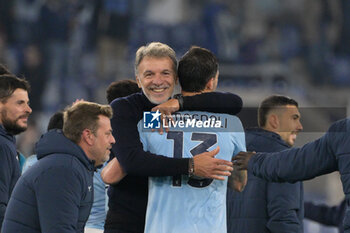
(194,205)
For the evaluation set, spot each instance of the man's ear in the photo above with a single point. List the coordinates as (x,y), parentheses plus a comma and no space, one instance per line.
(87,137)
(176,79)
(273,121)
(210,84)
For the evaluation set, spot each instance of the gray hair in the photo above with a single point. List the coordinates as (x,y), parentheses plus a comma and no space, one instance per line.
(155,49)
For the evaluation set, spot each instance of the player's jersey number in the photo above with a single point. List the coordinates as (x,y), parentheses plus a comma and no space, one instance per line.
(207,140)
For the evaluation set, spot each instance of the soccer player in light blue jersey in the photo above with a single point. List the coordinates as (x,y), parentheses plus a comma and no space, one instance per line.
(187,203)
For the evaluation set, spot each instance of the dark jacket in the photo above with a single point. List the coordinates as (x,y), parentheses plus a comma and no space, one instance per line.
(265,206)
(9,169)
(329,153)
(55,195)
(128,199)
(327,215)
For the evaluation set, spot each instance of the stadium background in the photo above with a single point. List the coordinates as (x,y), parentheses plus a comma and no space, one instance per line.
(72,49)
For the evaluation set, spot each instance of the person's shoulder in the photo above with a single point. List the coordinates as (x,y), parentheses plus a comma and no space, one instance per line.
(60,160)
(342,125)
(264,141)
(7,140)
(64,163)
(337,136)
(7,148)
(128,103)
(136,97)
(233,122)
(61,171)
(4,145)
(7,157)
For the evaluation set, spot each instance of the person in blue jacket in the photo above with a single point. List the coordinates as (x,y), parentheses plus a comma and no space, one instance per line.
(327,154)
(55,195)
(14,112)
(267,206)
(55,122)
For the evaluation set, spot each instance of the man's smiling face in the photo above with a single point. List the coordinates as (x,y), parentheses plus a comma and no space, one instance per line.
(157,78)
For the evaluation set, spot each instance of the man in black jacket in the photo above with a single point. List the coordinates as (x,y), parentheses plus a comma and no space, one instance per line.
(55,195)
(14,112)
(156,73)
(263,206)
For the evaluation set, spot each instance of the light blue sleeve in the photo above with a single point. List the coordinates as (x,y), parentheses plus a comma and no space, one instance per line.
(239,137)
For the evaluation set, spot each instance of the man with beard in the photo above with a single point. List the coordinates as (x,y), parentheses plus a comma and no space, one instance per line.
(56,194)
(269,207)
(14,112)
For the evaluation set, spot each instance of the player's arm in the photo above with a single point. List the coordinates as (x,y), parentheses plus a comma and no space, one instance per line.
(135,161)
(58,193)
(113,172)
(296,164)
(313,159)
(283,207)
(5,179)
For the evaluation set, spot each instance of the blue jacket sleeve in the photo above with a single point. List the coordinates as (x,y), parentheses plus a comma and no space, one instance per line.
(5,179)
(296,164)
(59,193)
(283,204)
(327,215)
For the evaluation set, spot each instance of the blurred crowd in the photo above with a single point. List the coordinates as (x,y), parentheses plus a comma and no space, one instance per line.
(72,49)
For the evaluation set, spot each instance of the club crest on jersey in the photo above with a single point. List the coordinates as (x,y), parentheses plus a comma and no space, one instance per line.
(151,120)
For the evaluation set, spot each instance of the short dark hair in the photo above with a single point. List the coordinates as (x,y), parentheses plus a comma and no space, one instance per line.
(4,70)
(121,88)
(272,102)
(196,68)
(56,121)
(9,83)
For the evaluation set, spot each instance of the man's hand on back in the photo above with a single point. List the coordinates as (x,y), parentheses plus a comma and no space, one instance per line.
(206,165)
